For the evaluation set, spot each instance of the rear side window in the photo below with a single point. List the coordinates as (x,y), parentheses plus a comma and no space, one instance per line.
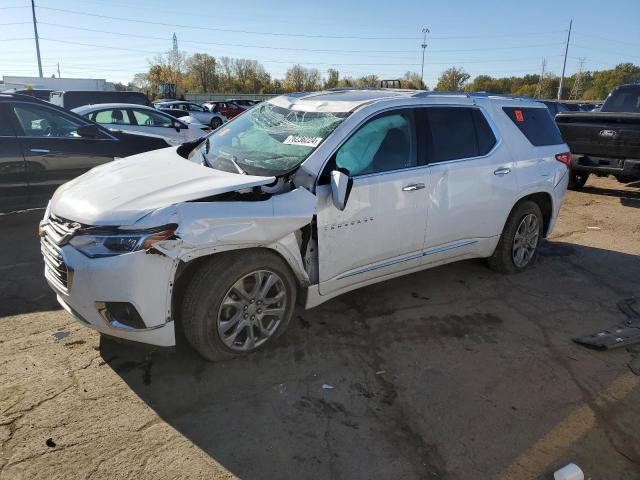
(536,124)
(455,133)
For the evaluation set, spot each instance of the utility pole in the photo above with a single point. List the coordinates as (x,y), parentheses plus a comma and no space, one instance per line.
(540,82)
(564,65)
(575,90)
(35,31)
(58,69)
(425,30)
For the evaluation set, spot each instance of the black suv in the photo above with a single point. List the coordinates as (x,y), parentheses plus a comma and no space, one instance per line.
(43,146)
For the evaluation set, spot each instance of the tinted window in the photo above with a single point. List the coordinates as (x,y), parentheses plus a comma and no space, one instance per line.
(536,124)
(37,121)
(486,138)
(623,100)
(6,130)
(382,144)
(152,119)
(111,117)
(454,132)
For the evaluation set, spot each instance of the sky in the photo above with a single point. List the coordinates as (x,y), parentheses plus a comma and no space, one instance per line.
(498,38)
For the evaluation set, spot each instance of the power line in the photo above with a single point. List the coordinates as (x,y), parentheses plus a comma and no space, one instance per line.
(227,30)
(318,50)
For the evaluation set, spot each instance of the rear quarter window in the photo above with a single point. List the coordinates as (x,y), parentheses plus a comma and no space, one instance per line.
(536,124)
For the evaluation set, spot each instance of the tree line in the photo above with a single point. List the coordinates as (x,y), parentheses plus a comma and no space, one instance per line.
(203,73)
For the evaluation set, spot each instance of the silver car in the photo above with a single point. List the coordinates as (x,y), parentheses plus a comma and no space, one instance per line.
(194,110)
(139,118)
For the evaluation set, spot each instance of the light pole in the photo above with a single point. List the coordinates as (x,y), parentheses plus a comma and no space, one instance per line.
(425,30)
(35,31)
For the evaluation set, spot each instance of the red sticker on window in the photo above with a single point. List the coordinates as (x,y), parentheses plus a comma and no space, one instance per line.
(519,116)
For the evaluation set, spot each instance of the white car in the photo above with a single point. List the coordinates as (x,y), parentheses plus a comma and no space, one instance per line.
(301,199)
(139,118)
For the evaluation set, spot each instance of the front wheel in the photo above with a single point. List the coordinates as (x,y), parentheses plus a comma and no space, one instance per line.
(237,303)
(518,244)
(215,122)
(577,179)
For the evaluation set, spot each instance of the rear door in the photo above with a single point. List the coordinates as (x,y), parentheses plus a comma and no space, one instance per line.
(13,177)
(53,151)
(158,123)
(472,184)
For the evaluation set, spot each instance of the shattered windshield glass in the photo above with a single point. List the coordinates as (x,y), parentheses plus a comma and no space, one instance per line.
(266,140)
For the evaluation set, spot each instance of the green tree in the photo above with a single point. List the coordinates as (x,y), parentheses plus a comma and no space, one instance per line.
(201,69)
(333,78)
(452,80)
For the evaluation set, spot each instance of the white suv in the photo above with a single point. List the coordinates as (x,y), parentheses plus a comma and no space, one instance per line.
(304,197)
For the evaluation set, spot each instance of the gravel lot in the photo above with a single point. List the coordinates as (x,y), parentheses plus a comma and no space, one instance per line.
(452,373)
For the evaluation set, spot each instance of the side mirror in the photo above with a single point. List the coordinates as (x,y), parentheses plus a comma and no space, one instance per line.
(88,131)
(341,184)
(177,125)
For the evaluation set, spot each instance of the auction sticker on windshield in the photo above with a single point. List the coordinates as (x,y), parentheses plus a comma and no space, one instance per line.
(302,140)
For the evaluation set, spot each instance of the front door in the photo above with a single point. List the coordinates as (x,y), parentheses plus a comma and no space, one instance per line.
(54,153)
(381,230)
(13,178)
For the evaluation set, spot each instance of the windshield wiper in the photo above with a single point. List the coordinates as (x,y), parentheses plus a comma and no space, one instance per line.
(233,160)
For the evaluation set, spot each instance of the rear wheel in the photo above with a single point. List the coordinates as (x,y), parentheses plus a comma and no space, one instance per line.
(518,244)
(237,303)
(215,122)
(577,179)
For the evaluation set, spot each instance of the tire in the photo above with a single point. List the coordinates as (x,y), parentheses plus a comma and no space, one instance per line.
(504,258)
(208,325)
(623,179)
(215,122)
(577,179)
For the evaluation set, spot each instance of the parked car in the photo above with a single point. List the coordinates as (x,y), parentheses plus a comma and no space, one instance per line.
(221,235)
(40,93)
(605,142)
(244,103)
(555,107)
(228,109)
(43,146)
(74,99)
(196,111)
(138,118)
(571,107)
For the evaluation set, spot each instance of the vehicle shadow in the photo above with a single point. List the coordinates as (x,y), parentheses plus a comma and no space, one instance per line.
(23,288)
(609,192)
(383,382)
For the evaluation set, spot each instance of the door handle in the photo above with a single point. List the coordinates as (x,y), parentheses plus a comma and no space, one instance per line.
(40,150)
(413,187)
(502,171)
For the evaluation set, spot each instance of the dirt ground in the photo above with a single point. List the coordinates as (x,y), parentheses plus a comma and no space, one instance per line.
(452,373)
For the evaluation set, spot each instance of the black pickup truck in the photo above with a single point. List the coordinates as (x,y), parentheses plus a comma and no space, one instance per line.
(605,142)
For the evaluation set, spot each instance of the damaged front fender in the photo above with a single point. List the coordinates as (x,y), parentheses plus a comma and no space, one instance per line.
(205,228)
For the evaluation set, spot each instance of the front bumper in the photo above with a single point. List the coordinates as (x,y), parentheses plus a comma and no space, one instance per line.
(142,279)
(622,167)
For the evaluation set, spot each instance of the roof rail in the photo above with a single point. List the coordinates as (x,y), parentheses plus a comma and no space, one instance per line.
(472,95)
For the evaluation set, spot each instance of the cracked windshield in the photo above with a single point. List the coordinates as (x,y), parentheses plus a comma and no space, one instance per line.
(267,140)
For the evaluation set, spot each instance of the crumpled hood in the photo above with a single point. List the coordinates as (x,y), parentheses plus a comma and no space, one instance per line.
(125,190)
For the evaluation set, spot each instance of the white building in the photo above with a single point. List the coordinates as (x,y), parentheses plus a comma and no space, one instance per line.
(18,83)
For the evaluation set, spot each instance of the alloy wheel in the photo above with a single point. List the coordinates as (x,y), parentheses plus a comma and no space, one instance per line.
(525,240)
(252,310)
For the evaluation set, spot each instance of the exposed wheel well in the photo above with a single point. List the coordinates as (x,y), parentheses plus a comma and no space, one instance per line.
(543,200)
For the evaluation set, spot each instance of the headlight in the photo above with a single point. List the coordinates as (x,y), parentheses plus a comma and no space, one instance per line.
(108,244)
